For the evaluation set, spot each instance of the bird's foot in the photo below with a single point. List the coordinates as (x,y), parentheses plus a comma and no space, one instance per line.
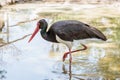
(65,55)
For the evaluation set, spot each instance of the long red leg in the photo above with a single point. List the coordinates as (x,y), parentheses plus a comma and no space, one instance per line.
(65,55)
(70,63)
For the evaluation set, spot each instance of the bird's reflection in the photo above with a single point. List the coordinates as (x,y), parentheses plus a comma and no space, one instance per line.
(82,68)
(65,71)
(55,49)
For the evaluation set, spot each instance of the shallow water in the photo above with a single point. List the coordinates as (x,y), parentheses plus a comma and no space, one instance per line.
(42,60)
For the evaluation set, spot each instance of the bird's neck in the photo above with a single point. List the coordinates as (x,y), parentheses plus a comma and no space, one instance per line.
(43,30)
(47,35)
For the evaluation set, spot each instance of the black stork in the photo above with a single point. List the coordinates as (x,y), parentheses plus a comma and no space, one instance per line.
(66,31)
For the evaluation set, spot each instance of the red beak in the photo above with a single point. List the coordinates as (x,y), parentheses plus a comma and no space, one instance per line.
(35,32)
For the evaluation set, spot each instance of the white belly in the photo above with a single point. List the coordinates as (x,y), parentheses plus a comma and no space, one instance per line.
(67,43)
(76,43)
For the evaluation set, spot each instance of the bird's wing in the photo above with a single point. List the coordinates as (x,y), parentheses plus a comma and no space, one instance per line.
(75,31)
(70,32)
(94,33)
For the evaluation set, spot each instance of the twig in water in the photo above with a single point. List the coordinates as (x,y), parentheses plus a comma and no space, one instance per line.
(15,40)
(24,22)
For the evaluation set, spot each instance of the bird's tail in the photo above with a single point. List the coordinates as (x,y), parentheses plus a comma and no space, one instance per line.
(99,34)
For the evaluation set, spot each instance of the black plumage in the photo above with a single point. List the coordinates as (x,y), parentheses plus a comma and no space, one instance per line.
(70,30)
(65,32)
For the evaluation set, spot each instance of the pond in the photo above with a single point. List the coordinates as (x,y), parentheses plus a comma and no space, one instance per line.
(42,60)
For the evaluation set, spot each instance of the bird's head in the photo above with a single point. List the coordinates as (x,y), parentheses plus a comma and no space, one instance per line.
(40,25)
